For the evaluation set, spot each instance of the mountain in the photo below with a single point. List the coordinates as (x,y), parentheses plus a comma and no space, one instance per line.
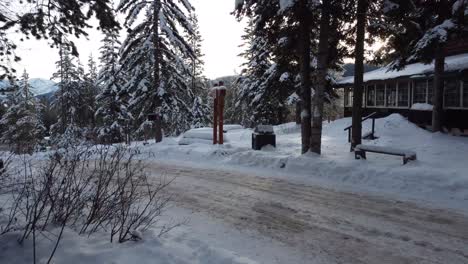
(42,86)
(39,86)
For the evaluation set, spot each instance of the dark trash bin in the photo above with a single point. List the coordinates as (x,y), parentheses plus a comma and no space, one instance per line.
(263,135)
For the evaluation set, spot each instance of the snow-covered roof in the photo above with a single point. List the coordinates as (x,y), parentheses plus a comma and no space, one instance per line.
(452,63)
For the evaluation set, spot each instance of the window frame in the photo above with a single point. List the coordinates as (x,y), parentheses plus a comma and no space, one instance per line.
(384,86)
(408,93)
(367,94)
(464,89)
(415,82)
(387,91)
(460,94)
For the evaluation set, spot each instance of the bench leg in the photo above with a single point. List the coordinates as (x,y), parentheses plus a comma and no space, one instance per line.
(407,159)
(360,154)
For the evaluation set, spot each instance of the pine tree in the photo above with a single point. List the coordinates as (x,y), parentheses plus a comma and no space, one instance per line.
(66,101)
(154,56)
(113,114)
(296,26)
(200,107)
(418,30)
(89,92)
(54,20)
(268,77)
(298,17)
(358,89)
(24,130)
(198,81)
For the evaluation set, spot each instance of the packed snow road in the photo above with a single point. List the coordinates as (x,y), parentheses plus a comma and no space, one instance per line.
(339,227)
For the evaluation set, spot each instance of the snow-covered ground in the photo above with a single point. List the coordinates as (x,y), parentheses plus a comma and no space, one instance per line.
(277,206)
(199,241)
(438,178)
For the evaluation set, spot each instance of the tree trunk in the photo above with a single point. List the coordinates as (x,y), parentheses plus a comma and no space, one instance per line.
(359,73)
(304,55)
(298,113)
(322,69)
(437,113)
(156,71)
(62,92)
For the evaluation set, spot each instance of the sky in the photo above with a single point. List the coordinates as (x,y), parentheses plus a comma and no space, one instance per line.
(220,30)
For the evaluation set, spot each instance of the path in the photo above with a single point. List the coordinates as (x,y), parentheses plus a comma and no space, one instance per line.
(348,228)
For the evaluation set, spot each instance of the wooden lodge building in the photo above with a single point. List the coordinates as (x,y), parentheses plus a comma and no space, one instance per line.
(409,92)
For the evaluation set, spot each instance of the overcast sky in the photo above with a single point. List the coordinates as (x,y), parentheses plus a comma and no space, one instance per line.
(220,31)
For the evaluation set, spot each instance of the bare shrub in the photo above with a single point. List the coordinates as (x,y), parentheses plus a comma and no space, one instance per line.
(86,189)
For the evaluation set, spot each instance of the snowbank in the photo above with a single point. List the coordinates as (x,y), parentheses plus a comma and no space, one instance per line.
(202,240)
(204,135)
(422,107)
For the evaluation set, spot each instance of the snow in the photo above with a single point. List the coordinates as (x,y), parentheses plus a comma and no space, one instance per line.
(422,107)
(286,4)
(201,240)
(42,86)
(232,127)
(219,88)
(200,133)
(437,178)
(267,129)
(284,77)
(452,63)
(204,135)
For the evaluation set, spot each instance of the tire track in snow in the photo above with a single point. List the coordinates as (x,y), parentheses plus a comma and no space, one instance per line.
(349,228)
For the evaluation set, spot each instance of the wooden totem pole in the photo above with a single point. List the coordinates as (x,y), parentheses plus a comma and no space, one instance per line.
(218,123)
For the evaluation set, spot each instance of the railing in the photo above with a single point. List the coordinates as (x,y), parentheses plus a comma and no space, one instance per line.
(362,121)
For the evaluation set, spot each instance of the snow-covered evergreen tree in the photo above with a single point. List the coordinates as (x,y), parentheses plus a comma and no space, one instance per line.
(261,82)
(310,32)
(66,101)
(201,109)
(419,30)
(89,90)
(113,114)
(23,129)
(271,73)
(198,80)
(154,57)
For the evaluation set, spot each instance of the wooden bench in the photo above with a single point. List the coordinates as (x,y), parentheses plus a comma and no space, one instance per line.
(360,152)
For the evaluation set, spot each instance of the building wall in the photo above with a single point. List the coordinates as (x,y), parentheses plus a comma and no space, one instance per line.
(455,100)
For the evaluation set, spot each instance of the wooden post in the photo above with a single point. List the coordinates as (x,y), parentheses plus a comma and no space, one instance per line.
(221,115)
(373,128)
(215,119)
(158,136)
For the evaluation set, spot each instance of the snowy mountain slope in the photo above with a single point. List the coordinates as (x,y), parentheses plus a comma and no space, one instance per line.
(39,86)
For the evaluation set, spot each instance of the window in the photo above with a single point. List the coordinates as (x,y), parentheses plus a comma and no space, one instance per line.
(452,96)
(465,94)
(391,95)
(346,97)
(380,95)
(371,95)
(430,92)
(420,92)
(403,92)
